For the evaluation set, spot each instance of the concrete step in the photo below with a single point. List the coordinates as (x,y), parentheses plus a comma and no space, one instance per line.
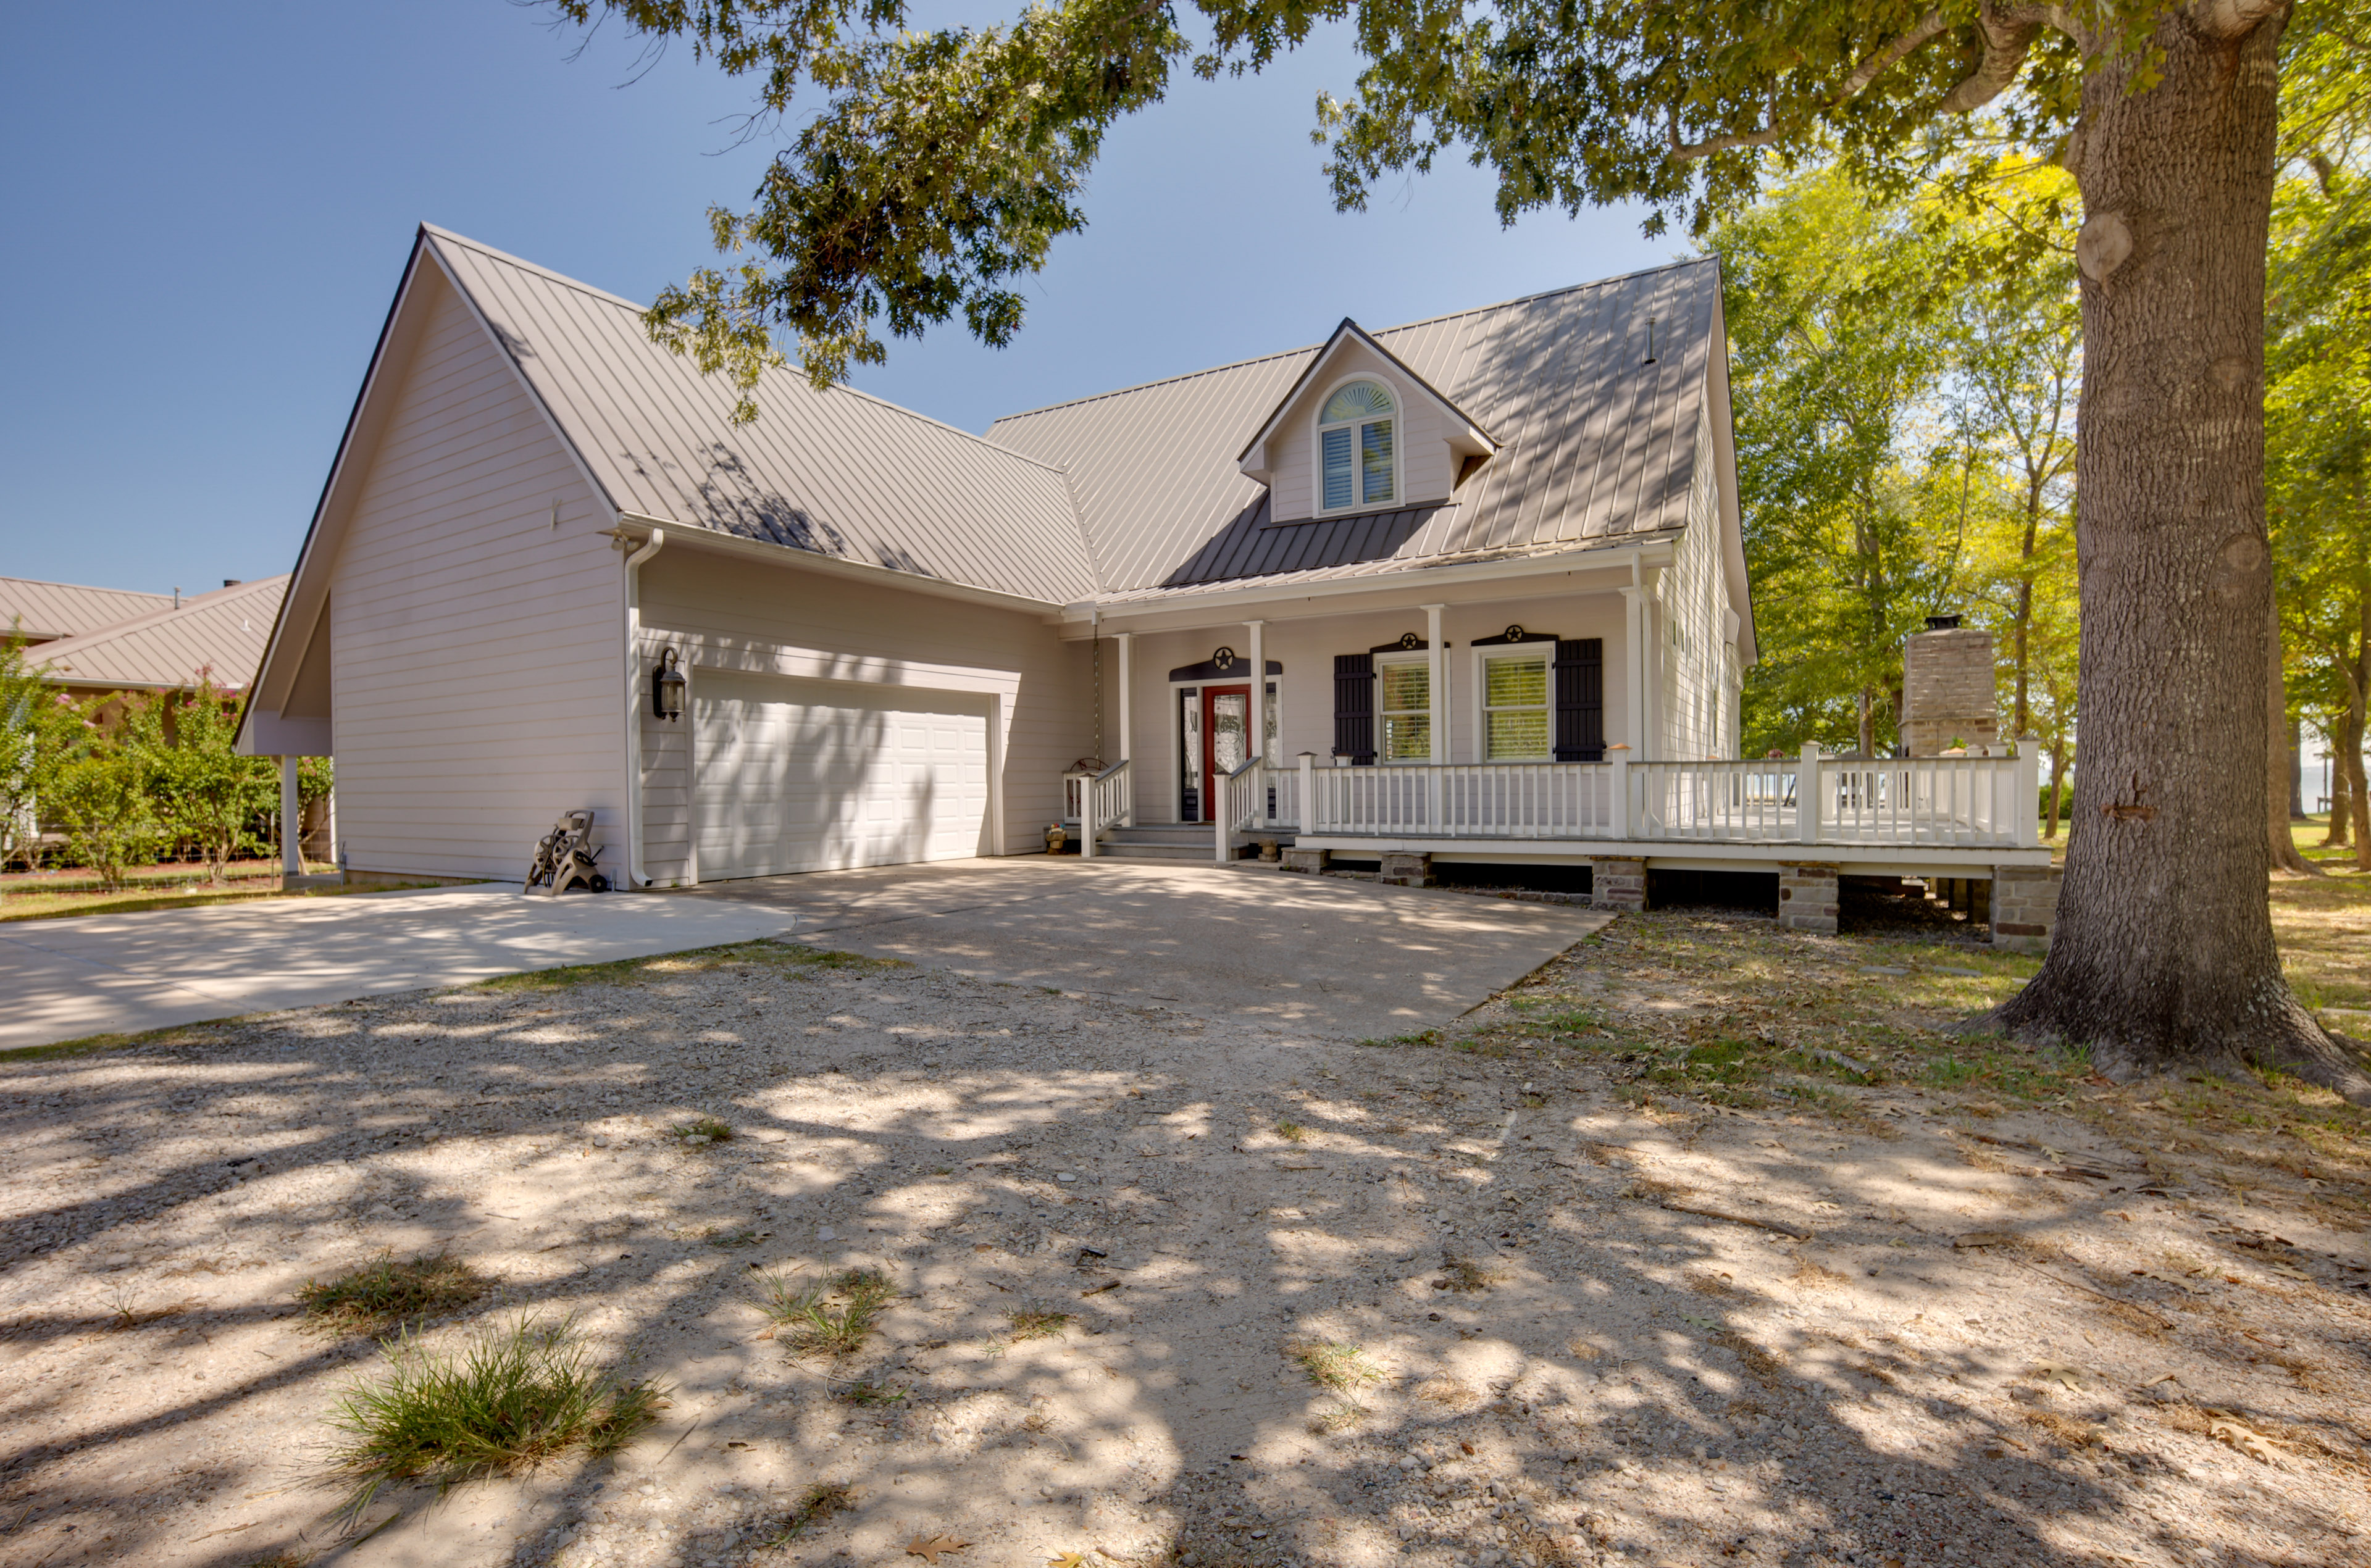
(1197,852)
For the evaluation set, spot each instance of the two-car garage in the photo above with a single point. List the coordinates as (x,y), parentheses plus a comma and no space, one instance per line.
(794,775)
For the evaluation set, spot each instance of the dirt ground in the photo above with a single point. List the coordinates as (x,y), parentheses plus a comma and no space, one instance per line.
(1705,1245)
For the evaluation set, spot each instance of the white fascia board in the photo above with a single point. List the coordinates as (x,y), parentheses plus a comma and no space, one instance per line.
(1522,579)
(1466,436)
(266,734)
(1732,519)
(692,536)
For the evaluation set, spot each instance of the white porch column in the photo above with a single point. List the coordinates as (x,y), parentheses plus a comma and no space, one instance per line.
(1437,678)
(292,821)
(1126,641)
(1634,671)
(1255,739)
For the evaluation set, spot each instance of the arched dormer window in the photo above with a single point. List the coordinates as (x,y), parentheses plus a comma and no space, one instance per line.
(1357,461)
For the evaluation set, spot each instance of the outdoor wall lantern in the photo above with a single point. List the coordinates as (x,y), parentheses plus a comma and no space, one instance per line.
(666,685)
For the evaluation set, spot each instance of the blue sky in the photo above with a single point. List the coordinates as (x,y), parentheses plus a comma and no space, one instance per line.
(207,210)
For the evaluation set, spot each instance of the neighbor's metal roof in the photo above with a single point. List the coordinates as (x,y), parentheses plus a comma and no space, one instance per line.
(1598,444)
(41,611)
(222,632)
(836,472)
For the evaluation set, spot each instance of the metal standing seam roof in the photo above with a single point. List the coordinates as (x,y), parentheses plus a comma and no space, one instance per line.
(221,633)
(1598,444)
(837,472)
(41,611)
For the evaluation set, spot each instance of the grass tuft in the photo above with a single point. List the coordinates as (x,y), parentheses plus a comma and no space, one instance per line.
(1030,1325)
(506,1402)
(384,1294)
(817,1503)
(831,1318)
(1291,1131)
(706,1128)
(1336,1367)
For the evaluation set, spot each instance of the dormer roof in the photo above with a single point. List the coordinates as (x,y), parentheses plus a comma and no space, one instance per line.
(1252,458)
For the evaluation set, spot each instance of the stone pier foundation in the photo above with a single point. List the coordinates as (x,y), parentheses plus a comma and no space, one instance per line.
(1807,896)
(2025,906)
(1617,881)
(1402,869)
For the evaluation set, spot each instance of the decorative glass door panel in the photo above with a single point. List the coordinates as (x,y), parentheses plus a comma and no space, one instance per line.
(1226,719)
(1189,791)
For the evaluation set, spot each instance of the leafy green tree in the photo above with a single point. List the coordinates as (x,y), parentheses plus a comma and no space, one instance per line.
(1832,352)
(104,788)
(209,795)
(940,166)
(2319,470)
(37,725)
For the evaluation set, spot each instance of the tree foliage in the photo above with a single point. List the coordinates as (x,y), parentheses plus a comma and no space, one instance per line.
(938,166)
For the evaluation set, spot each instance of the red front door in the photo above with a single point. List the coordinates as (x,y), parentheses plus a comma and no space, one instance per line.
(1226,731)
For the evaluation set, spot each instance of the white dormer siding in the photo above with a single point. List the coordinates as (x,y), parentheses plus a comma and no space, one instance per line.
(1698,659)
(1433,441)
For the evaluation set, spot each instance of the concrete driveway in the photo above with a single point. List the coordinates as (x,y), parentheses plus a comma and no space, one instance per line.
(1350,959)
(122,973)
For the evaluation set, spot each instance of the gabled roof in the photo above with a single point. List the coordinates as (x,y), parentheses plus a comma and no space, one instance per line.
(837,472)
(1351,332)
(41,612)
(1597,444)
(220,633)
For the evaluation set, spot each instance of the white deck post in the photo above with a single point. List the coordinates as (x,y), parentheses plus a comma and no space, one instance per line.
(1634,667)
(1618,824)
(2029,791)
(292,821)
(1436,716)
(1308,823)
(1807,794)
(1220,825)
(1126,641)
(1255,721)
(1087,817)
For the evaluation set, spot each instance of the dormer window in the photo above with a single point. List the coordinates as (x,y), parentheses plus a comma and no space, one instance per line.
(1357,461)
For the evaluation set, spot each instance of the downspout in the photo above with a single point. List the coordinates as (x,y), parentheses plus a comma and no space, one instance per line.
(635,560)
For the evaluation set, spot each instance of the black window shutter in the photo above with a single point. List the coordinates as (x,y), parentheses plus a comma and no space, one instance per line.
(1354,708)
(1580,699)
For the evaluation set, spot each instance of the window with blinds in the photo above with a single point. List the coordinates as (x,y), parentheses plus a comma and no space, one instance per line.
(1515,706)
(1356,460)
(1404,710)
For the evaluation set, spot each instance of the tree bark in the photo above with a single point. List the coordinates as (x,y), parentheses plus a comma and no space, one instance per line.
(2163,957)
(2350,750)
(2341,808)
(2057,789)
(2283,839)
(2296,770)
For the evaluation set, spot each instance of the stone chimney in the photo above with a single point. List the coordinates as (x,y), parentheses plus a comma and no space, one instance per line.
(1947,688)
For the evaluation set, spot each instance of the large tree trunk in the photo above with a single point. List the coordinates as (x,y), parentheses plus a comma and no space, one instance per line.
(2350,750)
(2277,758)
(2163,956)
(2340,810)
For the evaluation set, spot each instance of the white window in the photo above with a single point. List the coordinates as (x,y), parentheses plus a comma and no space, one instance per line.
(1404,710)
(1357,461)
(1515,723)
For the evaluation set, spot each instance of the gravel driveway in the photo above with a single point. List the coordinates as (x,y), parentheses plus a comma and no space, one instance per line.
(1548,1346)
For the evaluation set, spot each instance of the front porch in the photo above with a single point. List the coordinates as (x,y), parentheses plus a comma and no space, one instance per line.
(1970,824)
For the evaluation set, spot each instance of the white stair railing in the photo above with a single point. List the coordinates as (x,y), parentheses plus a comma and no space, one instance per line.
(1241,798)
(1106,800)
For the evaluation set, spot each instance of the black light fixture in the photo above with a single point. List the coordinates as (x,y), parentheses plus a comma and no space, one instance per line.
(666,685)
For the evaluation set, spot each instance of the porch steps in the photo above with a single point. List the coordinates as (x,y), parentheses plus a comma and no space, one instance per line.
(1179,841)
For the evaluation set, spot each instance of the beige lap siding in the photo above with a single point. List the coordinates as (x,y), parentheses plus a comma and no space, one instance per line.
(477,649)
(728,613)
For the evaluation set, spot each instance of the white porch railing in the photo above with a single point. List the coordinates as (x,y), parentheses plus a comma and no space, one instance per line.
(1979,802)
(1242,799)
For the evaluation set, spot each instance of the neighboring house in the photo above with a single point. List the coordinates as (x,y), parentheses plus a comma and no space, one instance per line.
(1489,567)
(35,612)
(160,642)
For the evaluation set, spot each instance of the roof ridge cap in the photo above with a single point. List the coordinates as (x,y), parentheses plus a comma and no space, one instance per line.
(146,619)
(1166,380)
(951,429)
(1371,331)
(523,264)
(84,587)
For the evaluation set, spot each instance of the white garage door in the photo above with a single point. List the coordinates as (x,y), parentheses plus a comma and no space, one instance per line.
(808,775)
